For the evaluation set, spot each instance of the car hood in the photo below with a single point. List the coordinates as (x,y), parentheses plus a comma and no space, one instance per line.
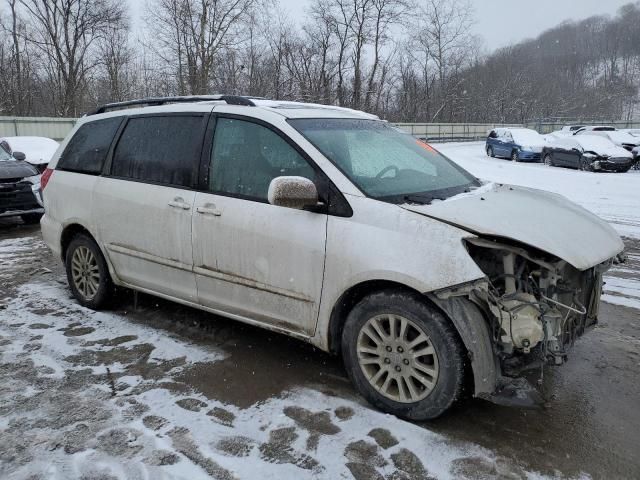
(15,169)
(543,220)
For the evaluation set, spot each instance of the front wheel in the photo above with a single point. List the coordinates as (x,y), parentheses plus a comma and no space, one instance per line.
(585,165)
(515,157)
(547,160)
(87,273)
(490,151)
(403,355)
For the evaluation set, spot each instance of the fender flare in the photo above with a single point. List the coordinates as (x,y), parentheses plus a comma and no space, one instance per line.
(474,332)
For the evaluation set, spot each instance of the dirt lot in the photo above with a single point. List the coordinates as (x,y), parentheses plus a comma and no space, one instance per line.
(165,391)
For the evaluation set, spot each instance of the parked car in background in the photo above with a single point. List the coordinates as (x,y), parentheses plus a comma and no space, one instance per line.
(569,130)
(258,210)
(636,156)
(589,153)
(621,139)
(633,131)
(518,144)
(595,128)
(20,193)
(38,150)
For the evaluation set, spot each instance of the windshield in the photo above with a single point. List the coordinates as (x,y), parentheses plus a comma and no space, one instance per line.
(595,143)
(4,155)
(527,137)
(622,137)
(385,162)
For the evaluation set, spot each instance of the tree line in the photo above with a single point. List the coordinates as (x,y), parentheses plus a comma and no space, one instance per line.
(405,60)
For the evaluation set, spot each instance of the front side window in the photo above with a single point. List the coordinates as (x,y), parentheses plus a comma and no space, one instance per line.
(246,156)
(383,162)
(87,150)
(163,150)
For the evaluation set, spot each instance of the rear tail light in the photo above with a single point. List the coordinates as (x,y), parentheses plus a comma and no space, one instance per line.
(46,175)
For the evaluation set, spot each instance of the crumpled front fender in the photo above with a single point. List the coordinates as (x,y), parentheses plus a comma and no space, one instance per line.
(474,332)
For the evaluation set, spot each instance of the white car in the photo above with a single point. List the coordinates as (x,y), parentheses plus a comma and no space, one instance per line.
(38,150)
(621,139)
(567,130)
(331,226)
(633,131)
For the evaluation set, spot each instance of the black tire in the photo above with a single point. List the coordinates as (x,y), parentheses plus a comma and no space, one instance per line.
(31,218)
(443,337)
(585,165)
(105,288)
(490,151)
(548,160)
(515,157)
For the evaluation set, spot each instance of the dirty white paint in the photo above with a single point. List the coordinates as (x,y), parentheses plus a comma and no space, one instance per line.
(543,220)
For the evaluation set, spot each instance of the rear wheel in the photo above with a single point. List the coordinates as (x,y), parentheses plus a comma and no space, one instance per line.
(87,273)
(490,151)
(403,355)
(31,218)
(515,157)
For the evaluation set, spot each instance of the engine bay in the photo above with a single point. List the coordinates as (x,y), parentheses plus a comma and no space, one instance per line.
(537,304)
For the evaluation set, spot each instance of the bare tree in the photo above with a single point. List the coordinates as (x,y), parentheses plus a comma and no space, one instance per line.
(442,33)
(115,57)
(16,77)
(65,33)
(194,33)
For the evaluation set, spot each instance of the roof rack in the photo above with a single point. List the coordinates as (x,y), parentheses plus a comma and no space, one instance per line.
(230,99)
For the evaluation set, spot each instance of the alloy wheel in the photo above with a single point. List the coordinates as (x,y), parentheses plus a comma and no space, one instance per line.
(85,272)
(397,358)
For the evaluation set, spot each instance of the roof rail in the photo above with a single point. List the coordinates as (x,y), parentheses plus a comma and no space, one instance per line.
(230,99)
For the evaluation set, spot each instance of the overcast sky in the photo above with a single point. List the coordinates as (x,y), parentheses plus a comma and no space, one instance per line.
(498,22)
(527,18)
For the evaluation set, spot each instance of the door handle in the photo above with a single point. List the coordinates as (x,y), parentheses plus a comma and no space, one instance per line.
(209,209)
(179,202)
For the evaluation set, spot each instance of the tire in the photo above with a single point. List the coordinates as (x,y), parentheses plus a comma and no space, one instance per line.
(84,261)
(490,151)
(548,160)
(444,356)
(514,156)
(31,218)
(584,166)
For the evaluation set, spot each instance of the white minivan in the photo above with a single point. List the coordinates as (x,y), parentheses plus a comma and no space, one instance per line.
(332,226)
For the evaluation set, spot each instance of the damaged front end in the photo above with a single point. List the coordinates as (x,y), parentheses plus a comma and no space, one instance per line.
(534,306)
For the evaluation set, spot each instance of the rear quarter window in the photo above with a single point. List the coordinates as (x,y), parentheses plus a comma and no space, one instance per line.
(88,148)
(160,149)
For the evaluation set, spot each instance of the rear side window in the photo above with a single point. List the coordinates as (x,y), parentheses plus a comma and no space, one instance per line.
(88,148)
(164,150)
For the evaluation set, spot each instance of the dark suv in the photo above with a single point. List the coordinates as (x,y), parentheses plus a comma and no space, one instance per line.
(20,193)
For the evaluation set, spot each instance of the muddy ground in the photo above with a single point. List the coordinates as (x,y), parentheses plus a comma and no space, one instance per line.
(102,403)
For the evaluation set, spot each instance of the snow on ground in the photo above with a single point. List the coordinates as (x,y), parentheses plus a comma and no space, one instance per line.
(85,394)
(613,196)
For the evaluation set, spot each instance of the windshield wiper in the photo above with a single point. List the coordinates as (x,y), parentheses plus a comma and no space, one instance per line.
(421,199)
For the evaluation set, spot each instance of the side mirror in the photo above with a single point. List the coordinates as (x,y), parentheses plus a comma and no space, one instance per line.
(19,156)
(293,192)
